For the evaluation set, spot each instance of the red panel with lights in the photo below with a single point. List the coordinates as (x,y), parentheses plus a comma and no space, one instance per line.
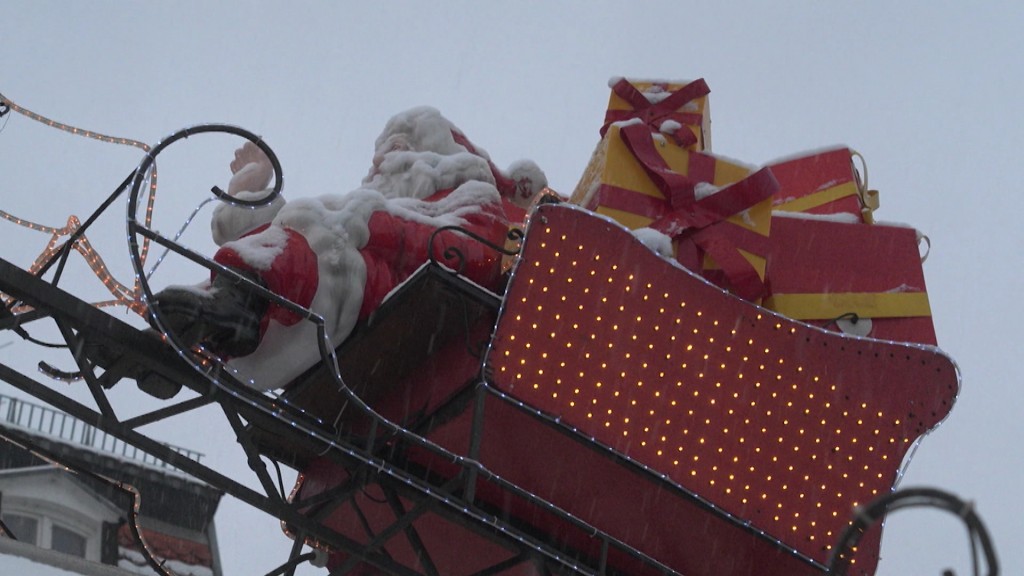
(778,427)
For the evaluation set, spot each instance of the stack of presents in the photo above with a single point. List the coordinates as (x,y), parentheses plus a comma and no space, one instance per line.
(797,236)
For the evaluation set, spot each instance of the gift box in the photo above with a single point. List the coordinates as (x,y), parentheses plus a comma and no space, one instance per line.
(823,182)
(867,280)
(717,211)
(677,109)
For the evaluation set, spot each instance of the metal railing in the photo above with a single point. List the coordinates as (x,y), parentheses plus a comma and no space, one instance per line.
(60,425)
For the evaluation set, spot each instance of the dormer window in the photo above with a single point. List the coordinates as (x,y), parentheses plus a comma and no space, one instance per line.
(24,528)
(45,532)
(67,541)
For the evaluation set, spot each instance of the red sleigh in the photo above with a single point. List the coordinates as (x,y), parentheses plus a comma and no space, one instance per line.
(605,411)
(624,417)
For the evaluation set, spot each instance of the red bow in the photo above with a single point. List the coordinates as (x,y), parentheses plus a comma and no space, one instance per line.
(700,226)
(654,114)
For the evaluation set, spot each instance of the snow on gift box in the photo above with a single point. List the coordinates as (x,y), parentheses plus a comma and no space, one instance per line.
(680,110)
(341,254)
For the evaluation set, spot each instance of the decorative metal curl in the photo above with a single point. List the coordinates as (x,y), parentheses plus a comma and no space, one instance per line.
(225,128)
(876,510)
(453,253)
(134,227)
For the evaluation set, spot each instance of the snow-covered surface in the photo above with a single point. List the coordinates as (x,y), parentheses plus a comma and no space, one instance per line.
(134,562)
(22,559)
(656,92)
(657,242)
(704,189)
(806,153)
(840,217)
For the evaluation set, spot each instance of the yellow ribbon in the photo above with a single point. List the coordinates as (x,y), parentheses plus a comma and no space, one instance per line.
(819,198)
(864,304)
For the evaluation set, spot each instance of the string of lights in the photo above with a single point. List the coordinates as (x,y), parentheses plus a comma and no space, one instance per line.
(123,296)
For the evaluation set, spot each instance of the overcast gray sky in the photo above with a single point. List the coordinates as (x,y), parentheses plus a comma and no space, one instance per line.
(928,92)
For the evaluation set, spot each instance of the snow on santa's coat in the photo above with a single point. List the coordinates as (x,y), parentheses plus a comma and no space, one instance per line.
(425,175)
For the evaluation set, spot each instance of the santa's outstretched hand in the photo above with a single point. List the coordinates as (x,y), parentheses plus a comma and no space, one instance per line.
(251,168)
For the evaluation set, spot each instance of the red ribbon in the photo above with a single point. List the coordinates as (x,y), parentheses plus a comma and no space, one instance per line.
(699,226)
(653,114)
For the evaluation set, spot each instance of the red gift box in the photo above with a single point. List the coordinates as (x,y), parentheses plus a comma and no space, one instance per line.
(822,182)
(830,273)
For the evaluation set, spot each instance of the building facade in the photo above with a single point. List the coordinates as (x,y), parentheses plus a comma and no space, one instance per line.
(70,491)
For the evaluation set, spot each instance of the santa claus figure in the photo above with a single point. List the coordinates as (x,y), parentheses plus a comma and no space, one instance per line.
(340,254)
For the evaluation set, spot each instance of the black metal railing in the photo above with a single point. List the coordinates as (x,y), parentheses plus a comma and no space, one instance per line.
(60,425)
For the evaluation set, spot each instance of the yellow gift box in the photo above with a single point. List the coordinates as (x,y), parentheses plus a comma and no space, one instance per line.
(677,109)
(642,179)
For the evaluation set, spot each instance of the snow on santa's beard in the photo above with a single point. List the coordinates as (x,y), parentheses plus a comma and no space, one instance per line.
(415,156)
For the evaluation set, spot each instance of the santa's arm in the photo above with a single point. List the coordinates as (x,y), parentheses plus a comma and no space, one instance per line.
(252,172)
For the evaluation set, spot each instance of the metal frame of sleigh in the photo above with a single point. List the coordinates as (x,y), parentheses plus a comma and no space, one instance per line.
(611,413)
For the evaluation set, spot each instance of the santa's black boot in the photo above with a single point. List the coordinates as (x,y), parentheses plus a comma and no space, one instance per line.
(225,317)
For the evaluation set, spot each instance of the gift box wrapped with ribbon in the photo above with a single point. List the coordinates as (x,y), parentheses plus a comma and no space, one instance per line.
(850,277)
(717,211)
(824,181)
(677,109)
